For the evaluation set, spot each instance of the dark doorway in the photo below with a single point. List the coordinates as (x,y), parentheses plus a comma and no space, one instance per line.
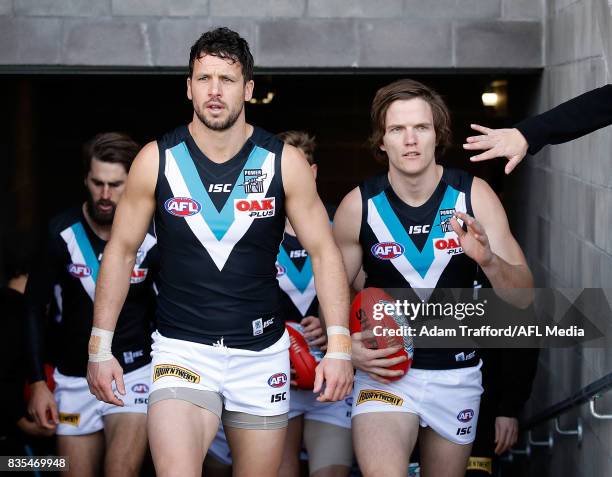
(48,117)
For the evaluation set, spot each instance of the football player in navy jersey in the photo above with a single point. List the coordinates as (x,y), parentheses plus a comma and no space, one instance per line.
(418,227)
(88,430)
(323,428)
(219,190)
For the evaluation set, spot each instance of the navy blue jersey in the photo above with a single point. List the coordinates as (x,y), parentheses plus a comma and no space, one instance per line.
(294,273)
(299,297)
(219,227)
(70,265)
(416,248)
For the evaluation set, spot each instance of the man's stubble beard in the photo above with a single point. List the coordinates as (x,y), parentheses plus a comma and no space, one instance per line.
(228,123)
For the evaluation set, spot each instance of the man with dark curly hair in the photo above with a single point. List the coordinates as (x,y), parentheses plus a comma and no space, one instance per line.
(219,190)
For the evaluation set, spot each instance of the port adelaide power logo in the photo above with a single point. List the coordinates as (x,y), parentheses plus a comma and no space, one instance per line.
(253,181)
(445,219)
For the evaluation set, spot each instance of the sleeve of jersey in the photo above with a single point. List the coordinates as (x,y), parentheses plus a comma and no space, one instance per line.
(39,291)
(570,120)
(154,267)
(518,366)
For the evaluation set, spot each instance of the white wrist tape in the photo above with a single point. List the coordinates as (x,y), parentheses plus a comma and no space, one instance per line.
(100,344)
(338,330)
(344,356)
(338,343)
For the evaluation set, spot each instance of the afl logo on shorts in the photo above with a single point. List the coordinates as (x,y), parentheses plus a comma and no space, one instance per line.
(140,388)
(387,250)
(277,380)
(182,206)
(280,270)
(466,415)
(78,270)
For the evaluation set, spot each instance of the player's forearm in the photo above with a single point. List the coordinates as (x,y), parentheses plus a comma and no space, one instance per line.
(332,287)
(512,283)
(112,285)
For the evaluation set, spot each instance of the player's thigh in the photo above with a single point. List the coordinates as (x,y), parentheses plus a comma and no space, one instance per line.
(441,457)
(126,443)
(290,464)
(256,452)
(85,453)
(179,435)
(383,442)
(330,448)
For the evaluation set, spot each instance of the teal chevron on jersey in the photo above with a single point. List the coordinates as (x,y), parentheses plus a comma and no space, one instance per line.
(219,222)
(86,249)
(420,260)
(299,278)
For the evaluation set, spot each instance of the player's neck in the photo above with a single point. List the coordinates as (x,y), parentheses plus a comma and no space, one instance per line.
(416,190)
(102,231)
(220,146)
(289,228)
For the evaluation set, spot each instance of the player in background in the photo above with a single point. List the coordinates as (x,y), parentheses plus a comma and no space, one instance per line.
(90,432)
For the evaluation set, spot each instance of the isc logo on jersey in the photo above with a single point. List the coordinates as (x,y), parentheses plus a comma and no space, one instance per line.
(418,229)
(79,270)
(387,250)
(277,380)
(450,246)
(182,206)
(255,208)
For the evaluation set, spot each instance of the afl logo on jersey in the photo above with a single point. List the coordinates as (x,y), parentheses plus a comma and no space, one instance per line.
(280,270)
(387,250)
(466,415)
(78,270)
(182,206)
(277,380)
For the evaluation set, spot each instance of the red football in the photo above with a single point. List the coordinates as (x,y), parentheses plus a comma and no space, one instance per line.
(367,313)
(301,358)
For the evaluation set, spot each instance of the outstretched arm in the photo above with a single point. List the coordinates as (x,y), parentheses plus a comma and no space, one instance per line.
(568,121)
